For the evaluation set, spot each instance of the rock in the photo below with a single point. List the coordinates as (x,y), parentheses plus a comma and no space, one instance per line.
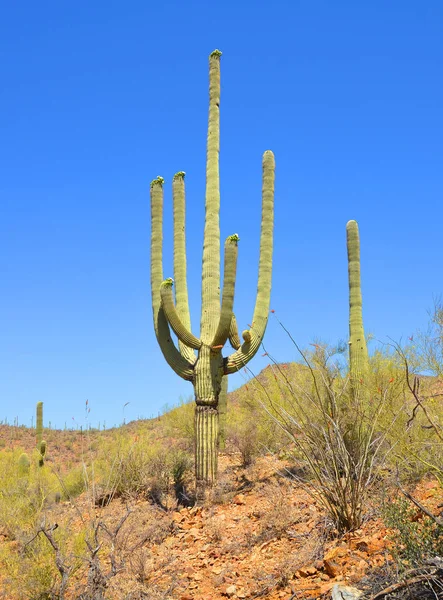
(306,572)
(369,544)
(331,568)
(343,592)
(230,590)
(239,499)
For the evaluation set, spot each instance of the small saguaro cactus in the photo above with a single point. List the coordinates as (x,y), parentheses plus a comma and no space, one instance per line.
(41,444)
(39,423)
(208,370)
(358,352)
(42,450)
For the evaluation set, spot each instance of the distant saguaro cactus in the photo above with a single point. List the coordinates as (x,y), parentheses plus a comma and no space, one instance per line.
(358,351)
(39,423)
(41,444)
(207,370)
(42,450)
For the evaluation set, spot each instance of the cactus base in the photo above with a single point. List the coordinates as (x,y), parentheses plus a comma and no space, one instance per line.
(206,447)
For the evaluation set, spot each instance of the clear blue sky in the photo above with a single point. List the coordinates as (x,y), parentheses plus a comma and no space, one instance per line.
(98,98)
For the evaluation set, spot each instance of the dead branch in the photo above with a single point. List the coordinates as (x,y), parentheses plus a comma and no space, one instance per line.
(422,508)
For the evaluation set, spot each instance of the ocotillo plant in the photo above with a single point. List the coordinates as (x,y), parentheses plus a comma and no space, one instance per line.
(358,352)
(207,370)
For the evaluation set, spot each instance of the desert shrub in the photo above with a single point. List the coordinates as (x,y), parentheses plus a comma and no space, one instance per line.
(416,537)
(181,464)
(338,440)
(131,466)
(23,496)
(179,423)
(30,573)
(278,514)
(73,483)
(422,374)
(250,430)
(125,465)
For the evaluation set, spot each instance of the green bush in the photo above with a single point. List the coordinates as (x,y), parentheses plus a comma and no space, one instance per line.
(416,537)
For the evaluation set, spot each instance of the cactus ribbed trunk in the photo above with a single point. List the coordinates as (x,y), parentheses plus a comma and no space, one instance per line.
(358,352)
(222,411)
(206,446)
(207,387)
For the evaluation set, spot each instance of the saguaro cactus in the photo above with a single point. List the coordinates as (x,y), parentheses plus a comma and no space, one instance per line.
(41,444)
(42,450)
(207,370)
(358,352)
(39,424)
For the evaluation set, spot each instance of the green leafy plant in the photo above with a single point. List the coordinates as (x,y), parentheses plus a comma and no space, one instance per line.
(416,537)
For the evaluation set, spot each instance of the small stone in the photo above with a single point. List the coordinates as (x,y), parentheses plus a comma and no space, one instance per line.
(306,572)
(217,570)
(331,568)
(230,590)
(239,499)
(343,592)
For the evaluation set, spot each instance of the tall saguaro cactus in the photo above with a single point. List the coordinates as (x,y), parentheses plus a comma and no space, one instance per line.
(358,352)
(207,369)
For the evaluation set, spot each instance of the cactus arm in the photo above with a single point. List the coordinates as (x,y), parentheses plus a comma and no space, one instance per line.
(184,336)
(358,352)
(42,449)
(234,339)
(175,360)
(254,336)
(230,271)
(181,286)
(210,310)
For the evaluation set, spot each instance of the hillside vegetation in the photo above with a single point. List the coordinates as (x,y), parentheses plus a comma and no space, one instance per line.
(313,491)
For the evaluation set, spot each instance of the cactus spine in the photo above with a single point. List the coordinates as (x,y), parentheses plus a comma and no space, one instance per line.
(209,368)
(358,352)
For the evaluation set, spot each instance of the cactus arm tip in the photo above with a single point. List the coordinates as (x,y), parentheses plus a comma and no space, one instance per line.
(246,335)
(157,181)
(233,238)
(215,54)
(179,175)
(234,339)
